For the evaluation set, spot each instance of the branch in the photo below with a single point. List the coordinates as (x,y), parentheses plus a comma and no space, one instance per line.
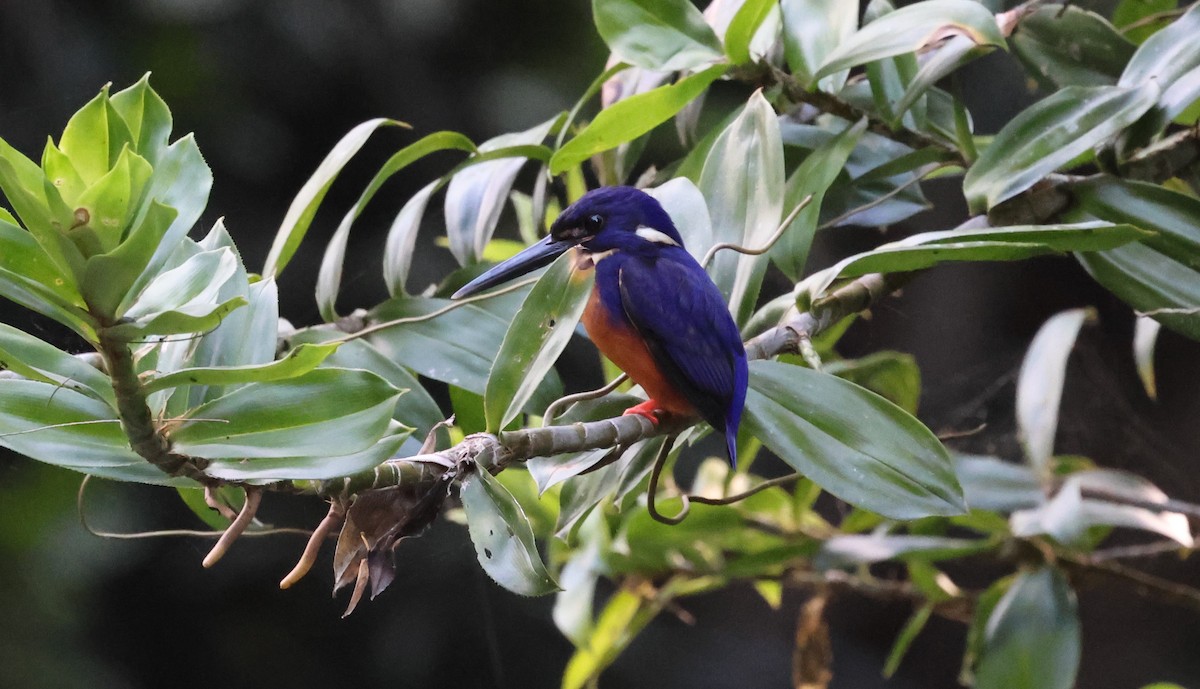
(496,452)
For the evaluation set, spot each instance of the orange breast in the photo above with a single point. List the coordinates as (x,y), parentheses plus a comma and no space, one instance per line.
(625,348)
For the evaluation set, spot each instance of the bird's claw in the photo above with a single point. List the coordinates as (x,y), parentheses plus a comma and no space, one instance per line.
(649,409)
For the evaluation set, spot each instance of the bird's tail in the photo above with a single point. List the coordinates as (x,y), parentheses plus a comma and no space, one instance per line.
(731,443)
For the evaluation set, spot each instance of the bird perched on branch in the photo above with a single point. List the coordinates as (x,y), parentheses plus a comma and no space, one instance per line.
(653,311)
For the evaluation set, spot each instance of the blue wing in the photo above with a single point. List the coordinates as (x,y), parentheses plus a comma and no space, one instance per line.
(681,315)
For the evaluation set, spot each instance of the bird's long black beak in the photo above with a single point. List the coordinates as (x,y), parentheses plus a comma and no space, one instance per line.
(531,258)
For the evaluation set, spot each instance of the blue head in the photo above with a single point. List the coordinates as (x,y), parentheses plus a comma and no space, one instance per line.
(604,219)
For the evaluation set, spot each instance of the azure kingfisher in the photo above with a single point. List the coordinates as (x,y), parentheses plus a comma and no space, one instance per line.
(653,310)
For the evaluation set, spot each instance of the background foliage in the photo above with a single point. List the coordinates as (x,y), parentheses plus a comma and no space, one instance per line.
(1107,122)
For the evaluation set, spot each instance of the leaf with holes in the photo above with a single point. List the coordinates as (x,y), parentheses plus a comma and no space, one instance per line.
(503,538)
(538,334)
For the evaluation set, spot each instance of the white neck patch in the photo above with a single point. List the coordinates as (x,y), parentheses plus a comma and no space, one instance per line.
(652,235)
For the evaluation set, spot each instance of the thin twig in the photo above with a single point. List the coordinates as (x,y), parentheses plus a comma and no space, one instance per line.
(655,473)
(160,533)
(237,528)
(738,497)
(1165,505)
(1137,551)
(1152,19)
(775,237)
(59,425)
(553,410)
(917,179)
(434,314)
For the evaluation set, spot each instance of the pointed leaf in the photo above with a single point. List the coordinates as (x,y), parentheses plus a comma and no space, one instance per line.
(35,359)
(1032,636)
(304,207)
(109,278)
(1145,335)
(992,244)
(631,117)
(330,275)
(814,177)
(310,467)
(662,35)
(503,538)
(1040,384)
(147,116)
(910,28)
(32,418)
(853,443)
(1070,46)
(194,283)
(745,24)
(537,336)
(327,411)
(743,183)
(811,30)
(299,361)
(402,238)
(624,615)
(197,318)
(479,189)
(682,200)
(42,211)
(1051,134)
(990,483)
(856,549)
(1171,59)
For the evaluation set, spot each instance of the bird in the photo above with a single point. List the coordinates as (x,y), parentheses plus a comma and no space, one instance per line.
(653,310)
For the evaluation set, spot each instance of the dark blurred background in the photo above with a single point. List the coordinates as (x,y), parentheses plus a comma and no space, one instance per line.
(268,86)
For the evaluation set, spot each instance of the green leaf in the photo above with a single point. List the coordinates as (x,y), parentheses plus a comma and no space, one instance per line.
(110,200)
(624,615)
(42,211)
(1070,46)
(743,181)
(1069,514)
(61,173)
(1130,11)
(550,471)
(310,467)
(1039,386)
(402,239)
(1032,637)
(1171,60)
(1150,282)
(30,278)
(905,638)
(953,54)
(1050,134)
(1159,276)
(537,336)
(329,276)
(631,117)
(853,443)
(750,16)
(892,375)
(479,188)
(457,347)
(992,484)
(182,181)
(147,116)
(299,361)
(814,177)
(195,319)
(94,137)
(910,28)
(65,428)
(661,35)
(503,538)
(325,412)
(192,285)
(300,213)
(108,279)
(572,612)
(992,244)
(1145,335)
(855,549)
(35,359)
(811,30)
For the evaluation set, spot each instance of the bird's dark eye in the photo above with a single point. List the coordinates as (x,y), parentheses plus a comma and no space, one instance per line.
(593,223)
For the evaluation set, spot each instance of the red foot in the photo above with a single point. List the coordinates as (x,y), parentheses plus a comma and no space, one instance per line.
(649,409)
